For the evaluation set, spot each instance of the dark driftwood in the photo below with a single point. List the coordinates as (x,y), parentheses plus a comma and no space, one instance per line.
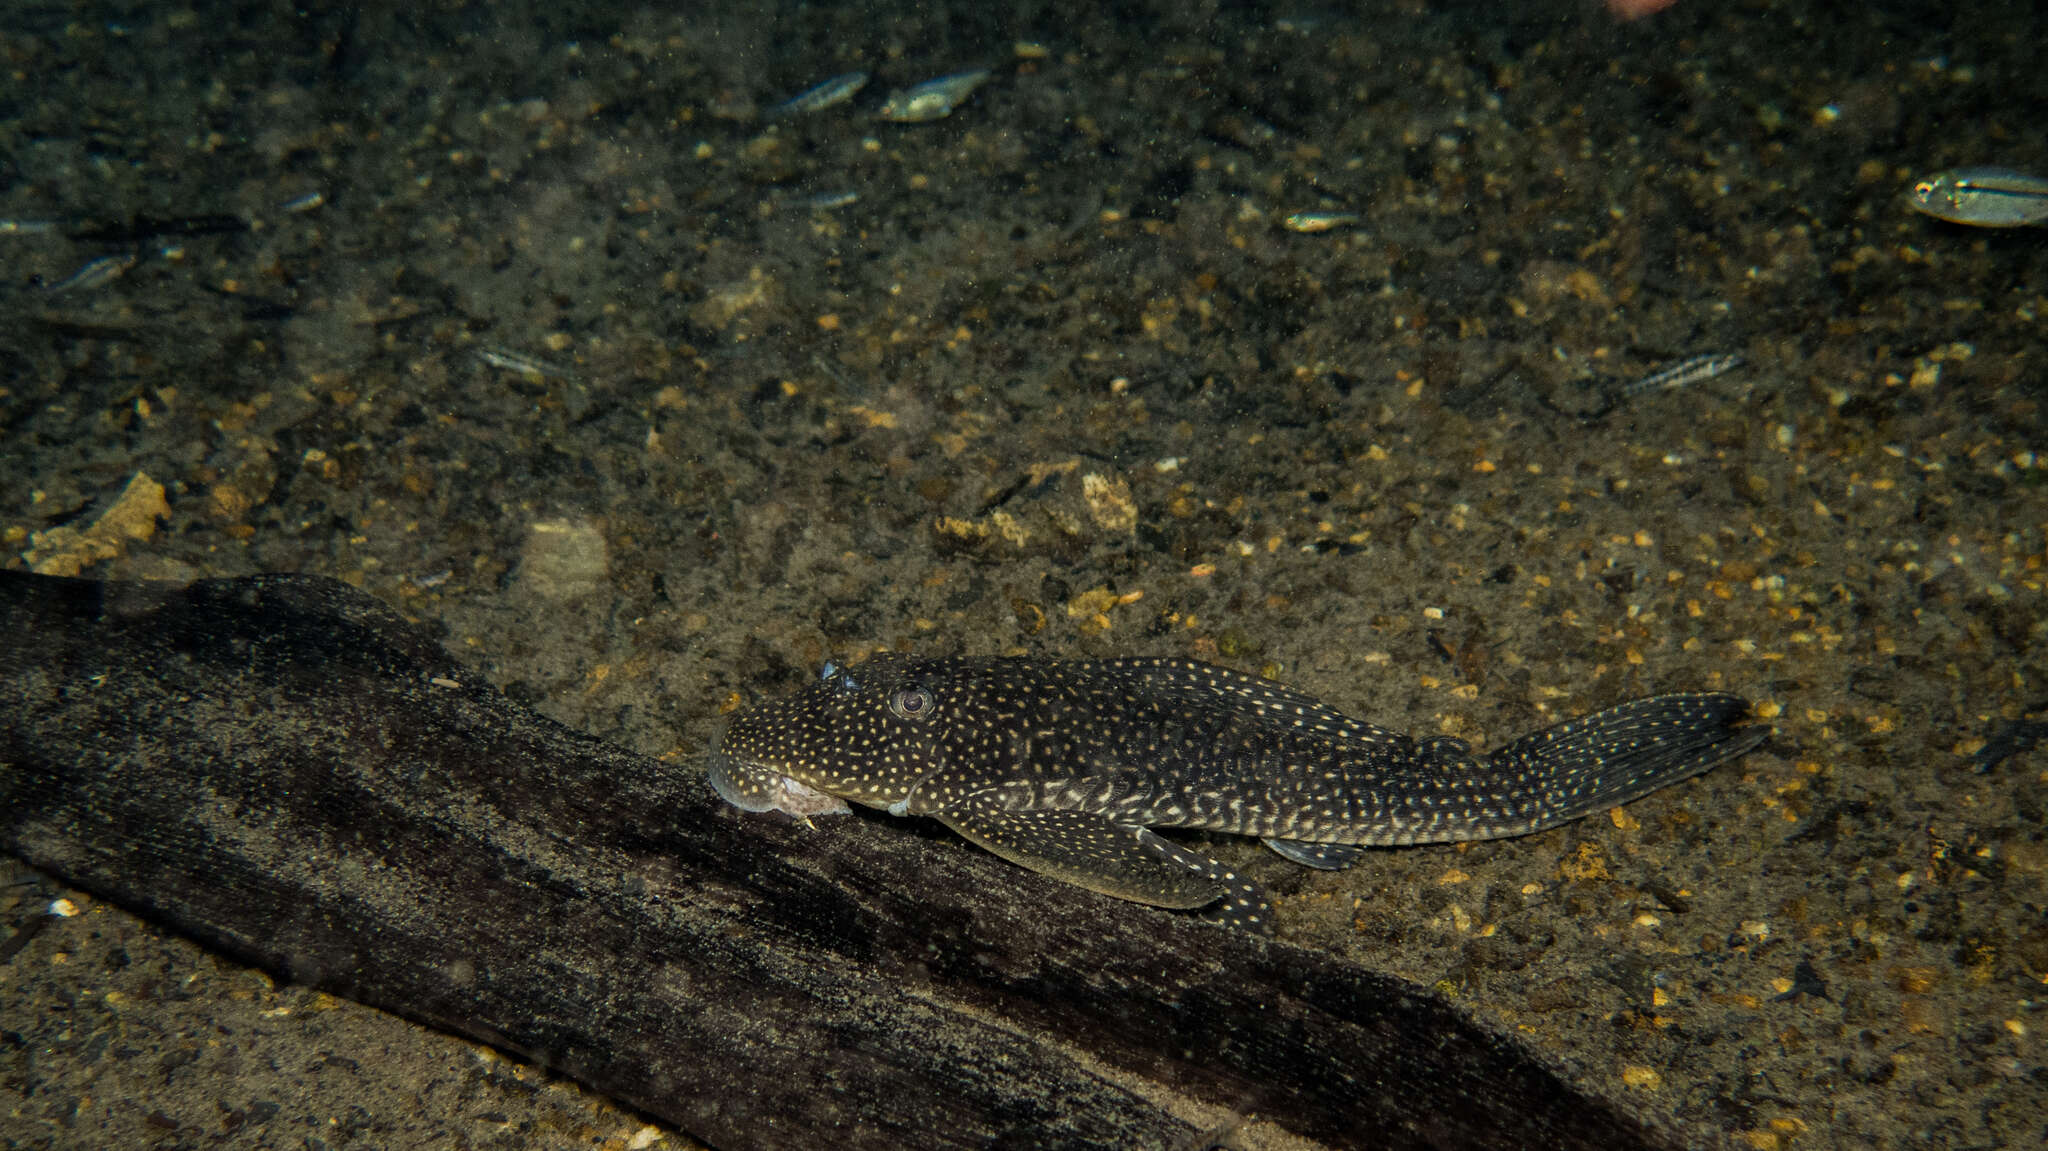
(286,770)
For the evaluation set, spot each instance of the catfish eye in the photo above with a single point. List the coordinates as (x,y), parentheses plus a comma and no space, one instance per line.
(911,703)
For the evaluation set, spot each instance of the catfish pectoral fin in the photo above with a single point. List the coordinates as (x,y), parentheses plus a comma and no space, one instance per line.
(1087,850)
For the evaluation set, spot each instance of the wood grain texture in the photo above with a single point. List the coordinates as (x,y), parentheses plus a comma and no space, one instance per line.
(288,771)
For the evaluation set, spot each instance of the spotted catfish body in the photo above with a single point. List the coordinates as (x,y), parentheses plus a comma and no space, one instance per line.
(1065,767)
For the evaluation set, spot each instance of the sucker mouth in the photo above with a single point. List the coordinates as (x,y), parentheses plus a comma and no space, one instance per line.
(750,786)
(902,806)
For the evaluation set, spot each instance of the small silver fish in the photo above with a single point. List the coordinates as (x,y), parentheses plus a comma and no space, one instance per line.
(1684,373)
(933,99)
(504,359)
(94,274)
(1319,221)
(837,90)
(1984,197)
(27,227)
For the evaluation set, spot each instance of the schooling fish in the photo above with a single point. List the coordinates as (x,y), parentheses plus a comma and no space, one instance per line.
(933,99)
(1985,197)
(1065,767)
(837,90)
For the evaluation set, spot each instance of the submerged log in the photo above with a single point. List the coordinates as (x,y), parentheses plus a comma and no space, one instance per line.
(286,770)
